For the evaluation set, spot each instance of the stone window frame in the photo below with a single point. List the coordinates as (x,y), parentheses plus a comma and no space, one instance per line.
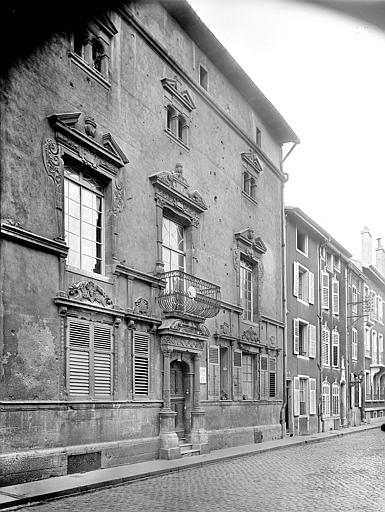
(178,105)
(102,160)
(97,34)
(252,168)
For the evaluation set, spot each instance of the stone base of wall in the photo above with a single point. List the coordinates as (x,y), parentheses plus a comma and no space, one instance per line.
(39,464)
(227,438)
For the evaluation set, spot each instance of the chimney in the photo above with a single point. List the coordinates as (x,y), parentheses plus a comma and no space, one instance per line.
(380,257)
(366,247)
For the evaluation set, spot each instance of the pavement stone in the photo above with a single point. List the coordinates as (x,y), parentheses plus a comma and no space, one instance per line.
(344,473)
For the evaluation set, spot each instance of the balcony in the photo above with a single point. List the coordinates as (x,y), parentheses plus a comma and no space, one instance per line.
(187,295)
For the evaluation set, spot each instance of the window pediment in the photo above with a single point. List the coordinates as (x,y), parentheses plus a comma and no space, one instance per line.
(174,191)
(105,24)
(249,243)
(184,97)
(82,141)
(252,161)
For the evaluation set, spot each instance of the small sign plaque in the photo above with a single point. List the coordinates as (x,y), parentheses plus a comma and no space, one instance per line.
(203,379)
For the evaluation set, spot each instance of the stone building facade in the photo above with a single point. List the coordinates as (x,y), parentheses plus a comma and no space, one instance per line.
(141,248)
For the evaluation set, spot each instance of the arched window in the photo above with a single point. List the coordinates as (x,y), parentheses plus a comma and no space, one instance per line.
(326,398)
(335,399)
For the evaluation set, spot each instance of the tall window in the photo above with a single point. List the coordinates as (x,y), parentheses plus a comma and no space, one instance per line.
(173,246)
(303,283)
(258,136)
(326,398)
(249,185)
(301,241)
(380,348)
(325,346)
(203,77)
(246,289)
(335,348)
(374,348)
(303,393)
(272,377)
(247,376)
(325,290)
(354,300)
(335,297)
(367,342)
(335,399)
(354,344)
(89,364)
(83,213)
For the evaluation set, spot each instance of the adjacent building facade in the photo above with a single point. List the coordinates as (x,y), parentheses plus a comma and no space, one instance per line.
(142,317)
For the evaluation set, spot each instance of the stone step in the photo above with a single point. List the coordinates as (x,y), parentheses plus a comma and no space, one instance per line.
(189,453)
(185,446)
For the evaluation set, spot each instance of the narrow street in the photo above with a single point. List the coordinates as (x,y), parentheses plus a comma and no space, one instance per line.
(341,474)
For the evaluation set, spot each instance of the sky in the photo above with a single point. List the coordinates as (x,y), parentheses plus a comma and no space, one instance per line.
(325,73)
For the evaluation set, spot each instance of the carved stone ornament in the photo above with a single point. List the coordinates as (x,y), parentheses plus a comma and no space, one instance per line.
(119,196)
(181,343)
(52,164)
(178,189)
(224,328)
(250,244)
(141,306)
(88,290)
(250,335)
(251,159)
(171,86)
(90,126)
(12,222)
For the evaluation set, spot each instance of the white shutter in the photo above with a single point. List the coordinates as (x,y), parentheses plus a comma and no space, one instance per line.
(102,359)
(336,297)
(325,290)
(325,346)
(296,396)
(296,336)
(295,279)
(312,341)
(352,391)
(141,359)
(79,336)
(311,287)
(313,396)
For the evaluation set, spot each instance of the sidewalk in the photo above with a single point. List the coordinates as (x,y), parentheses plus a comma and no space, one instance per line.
(16,496)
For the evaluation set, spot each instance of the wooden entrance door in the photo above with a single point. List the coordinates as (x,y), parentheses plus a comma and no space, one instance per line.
(178,396)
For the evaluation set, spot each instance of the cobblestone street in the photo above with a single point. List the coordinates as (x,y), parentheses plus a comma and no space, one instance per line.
(341,474)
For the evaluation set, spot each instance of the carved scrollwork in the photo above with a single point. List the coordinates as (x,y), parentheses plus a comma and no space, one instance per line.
(119,196)
(178,342)
(53,167)
(88,290)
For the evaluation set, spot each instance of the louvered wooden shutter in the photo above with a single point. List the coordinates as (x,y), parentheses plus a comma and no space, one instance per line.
(264,377)
(237,374)
(214,372)
(325,346)
(272,377)
(296,336)
(295,279)
(79,343)
(336,297)
(312,341)
(141,352)
(352,391)
(325,290)
(102,340)
(311,288)
(335,347)
(313,396)
(296,396)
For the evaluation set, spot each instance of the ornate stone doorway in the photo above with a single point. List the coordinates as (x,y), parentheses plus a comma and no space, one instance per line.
(180,397)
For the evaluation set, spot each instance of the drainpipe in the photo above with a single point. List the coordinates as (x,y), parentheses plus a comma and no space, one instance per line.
(284,310)
(284,299)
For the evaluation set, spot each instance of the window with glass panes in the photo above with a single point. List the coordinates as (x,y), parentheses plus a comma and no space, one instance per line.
(83,215)
(247,289)
(247,376)
(326,399)
(173,246)
(303,396)
(335,399)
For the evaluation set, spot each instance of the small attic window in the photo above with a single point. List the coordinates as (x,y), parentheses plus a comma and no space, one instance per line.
(203,77)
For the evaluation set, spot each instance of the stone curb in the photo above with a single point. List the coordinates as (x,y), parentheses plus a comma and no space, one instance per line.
(16,500)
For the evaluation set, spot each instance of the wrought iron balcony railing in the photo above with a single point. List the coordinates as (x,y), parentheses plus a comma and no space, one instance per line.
(186,294)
